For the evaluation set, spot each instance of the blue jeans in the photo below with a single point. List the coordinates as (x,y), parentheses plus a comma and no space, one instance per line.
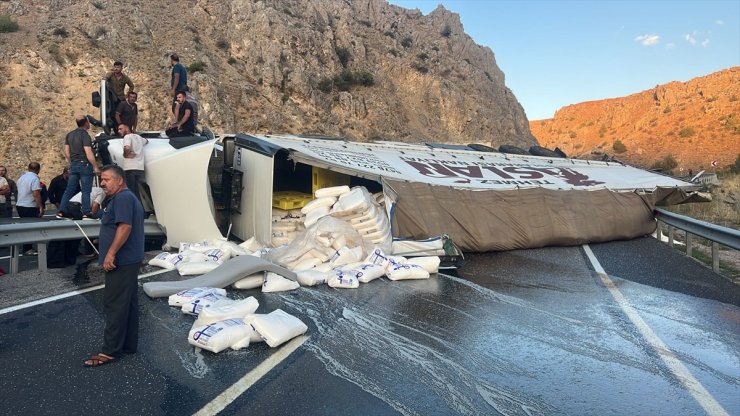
(82,173)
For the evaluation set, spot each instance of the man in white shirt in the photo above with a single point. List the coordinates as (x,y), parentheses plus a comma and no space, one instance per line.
(29,203)
(133,158)
(74,209)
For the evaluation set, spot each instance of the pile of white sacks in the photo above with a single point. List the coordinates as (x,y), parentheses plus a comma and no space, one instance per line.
(227,323)
(346,237)
(345,242)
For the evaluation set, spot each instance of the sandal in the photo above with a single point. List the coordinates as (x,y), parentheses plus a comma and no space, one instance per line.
(98,360)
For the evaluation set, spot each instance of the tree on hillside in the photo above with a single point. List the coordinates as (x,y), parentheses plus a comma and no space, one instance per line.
(666,165)
(736,167)
(619,147)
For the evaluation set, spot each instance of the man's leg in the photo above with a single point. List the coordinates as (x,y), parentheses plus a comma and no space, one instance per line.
(72,183)
(86,185)
(120,287)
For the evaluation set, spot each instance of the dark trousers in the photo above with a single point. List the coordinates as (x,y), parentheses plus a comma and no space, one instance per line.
(121,308)
(27,212)
(133,178)
(172,132)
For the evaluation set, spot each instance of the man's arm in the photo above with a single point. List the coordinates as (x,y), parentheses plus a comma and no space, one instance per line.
(175,83)
(67,154)
(127,152)
(130,84)
(184,119)
(123,230)
(39,203)
(91,159)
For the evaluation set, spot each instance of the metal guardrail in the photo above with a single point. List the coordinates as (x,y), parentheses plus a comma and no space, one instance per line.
(42,232)
(716,234)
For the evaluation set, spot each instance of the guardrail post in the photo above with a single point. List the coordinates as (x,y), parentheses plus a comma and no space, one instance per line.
(689,244)
(715,257)
(659,232)
(41,250)
(15,251)
(670,236)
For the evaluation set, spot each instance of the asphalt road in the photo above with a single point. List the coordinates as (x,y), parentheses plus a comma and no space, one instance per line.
(526,332)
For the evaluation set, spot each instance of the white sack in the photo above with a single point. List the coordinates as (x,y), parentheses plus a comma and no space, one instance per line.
(227,309)
(314,216)
(380,258)
(194,306)
(250,282)
(254,336)
(185,296)
(346,255)
(252,245)
(278,327)
(366,272)
(220,335)
(166,260)
(341,279)
(196,267)
(429,263)
(218,255)
(334,191)
(406,272)
(311,277)
(275,283)
(327,202)
(232,247)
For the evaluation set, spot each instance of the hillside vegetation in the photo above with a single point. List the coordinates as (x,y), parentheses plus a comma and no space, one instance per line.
(679,126)
(358,69)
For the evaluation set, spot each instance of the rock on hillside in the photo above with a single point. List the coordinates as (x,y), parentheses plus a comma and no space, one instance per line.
(695,122)
(268,66)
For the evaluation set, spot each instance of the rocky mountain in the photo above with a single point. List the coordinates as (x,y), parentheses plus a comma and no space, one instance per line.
(692,123)
(361,69)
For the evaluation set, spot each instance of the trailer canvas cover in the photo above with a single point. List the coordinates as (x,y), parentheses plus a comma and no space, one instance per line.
(495,201)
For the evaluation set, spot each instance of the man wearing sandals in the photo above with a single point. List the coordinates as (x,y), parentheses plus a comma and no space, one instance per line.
(121,253)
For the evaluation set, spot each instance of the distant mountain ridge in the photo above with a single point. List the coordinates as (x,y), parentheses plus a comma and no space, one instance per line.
(694,122)
(281,66)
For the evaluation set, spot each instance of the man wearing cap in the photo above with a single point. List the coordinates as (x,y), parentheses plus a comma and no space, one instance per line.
(82,165)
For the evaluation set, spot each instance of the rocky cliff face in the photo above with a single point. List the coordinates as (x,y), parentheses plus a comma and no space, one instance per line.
(267,67)
(694,123)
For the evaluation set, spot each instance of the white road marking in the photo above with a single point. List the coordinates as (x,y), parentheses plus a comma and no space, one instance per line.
(68,294)
(237,389)
(694,387)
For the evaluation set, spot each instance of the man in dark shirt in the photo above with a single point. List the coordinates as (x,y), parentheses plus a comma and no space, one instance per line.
(117,82)
(121,252)
(127,111)
(82,165)
(179,76)
(184,125)
(57,187)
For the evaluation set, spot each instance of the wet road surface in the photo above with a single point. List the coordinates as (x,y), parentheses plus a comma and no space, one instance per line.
(526,332)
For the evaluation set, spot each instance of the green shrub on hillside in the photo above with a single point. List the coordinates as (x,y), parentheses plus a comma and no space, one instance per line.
(446,32)
(343,54)
(736,167)
(619,147)
(686,132)
(7,24)
(406,42)
(345,80)
(667,164)
(667,109)
(197,66)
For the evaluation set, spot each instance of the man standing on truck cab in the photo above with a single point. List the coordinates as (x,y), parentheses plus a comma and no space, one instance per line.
(179,78)
(117,82)
(82,166)
(133,158)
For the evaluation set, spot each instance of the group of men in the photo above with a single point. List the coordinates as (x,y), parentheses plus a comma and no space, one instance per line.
(121,238)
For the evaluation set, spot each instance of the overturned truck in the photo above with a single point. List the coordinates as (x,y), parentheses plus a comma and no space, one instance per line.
(205,186)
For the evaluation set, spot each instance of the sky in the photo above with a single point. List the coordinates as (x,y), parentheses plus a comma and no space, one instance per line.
(555,53)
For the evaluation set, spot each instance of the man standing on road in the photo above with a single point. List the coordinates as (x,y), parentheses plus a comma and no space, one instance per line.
(82,165)
(121,253)
(10,193)
(133,158)
(30,204)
